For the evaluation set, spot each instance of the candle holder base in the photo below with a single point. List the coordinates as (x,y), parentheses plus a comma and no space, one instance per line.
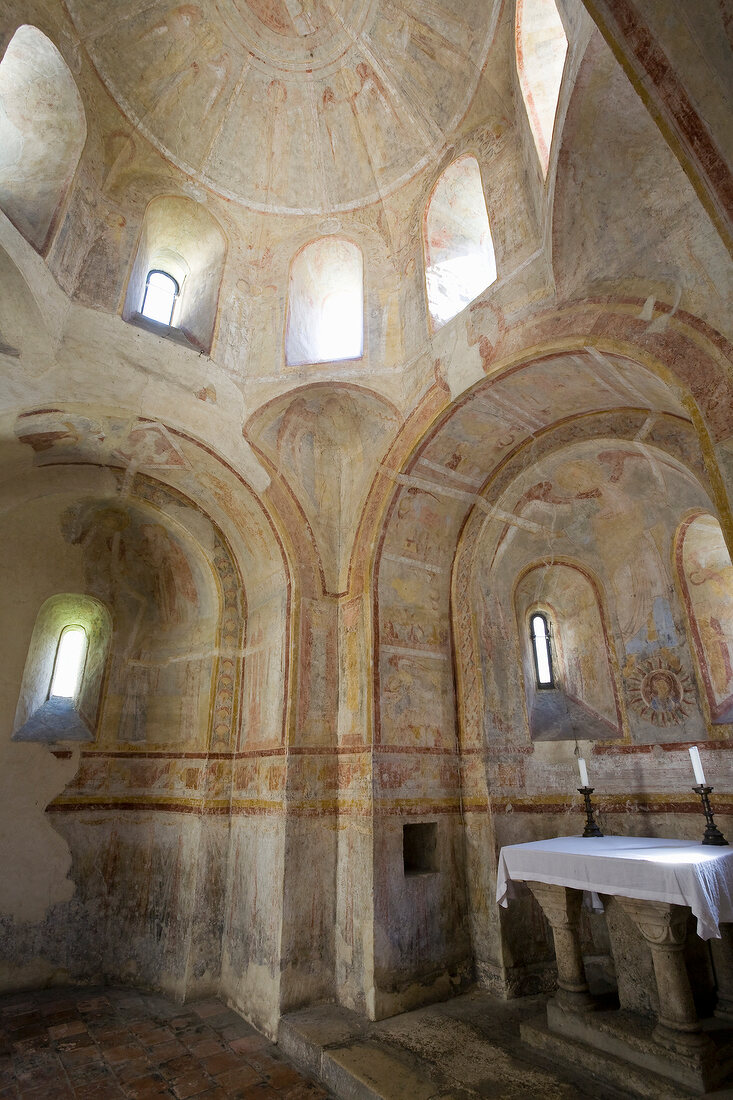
(712,834)
(591,829)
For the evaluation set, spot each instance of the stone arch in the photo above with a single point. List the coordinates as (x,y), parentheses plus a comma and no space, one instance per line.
(197,805)
(42,134)
(442,477)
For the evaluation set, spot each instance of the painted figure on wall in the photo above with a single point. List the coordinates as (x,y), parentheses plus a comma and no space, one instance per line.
(158,684)
(706,577)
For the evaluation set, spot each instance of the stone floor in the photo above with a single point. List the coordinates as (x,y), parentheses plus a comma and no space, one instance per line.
(91,1044)
(94,1044)
(468,1048)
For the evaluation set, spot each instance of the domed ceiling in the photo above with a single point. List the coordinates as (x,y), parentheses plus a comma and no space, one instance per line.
(292,106)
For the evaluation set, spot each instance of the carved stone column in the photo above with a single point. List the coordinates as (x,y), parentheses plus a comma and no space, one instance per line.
(561,906)
(722,950)
(664,927)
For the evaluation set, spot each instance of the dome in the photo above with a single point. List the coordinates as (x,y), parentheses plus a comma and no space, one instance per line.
(287,107)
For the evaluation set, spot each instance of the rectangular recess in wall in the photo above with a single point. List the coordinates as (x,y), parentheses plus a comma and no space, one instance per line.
(420,847)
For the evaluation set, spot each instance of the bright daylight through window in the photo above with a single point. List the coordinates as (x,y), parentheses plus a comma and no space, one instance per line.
(69,663)
(161,291)
(542,657)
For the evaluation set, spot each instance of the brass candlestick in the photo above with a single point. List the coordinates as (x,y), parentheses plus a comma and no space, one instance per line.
(712,834)
(591,829)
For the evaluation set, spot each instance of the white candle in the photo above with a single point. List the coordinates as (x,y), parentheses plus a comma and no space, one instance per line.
(697,765)
(583,772)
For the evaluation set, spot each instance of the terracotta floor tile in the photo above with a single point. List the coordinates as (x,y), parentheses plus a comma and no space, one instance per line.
(283,1076)
(166,1052)
(81,1056)
(138,1067)
(109,1035)
(207,1008)
(179,1067)
(221,1062)
(93,1004)
(156,1036)
(206,1047)
(262,1092)
(106,1043)
(191,1086)
(249,1044)
(123,1053)
(73,1027)
(234,1080)
(144,1087)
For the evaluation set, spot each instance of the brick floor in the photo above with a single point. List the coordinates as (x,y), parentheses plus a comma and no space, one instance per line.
(91,1044)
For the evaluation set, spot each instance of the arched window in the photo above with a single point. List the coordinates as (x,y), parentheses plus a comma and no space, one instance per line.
(64,670)
(459,251)
(541,48)
(325,303)
(159,300)
(706,576)
(540,633)
(178,269)
(571,679)
(69,664)
(42,134)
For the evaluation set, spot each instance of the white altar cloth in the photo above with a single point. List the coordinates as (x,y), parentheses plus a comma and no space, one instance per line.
(677,871)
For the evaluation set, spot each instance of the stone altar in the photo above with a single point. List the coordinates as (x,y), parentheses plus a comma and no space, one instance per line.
(656,883)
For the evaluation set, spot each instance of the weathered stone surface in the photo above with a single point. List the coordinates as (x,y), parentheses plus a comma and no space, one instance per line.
(314,578)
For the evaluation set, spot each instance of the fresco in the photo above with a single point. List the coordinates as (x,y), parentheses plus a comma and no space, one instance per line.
(166,611)
(706,575)
(541,48)
(324,440)
(659,690)
(583,702)
(60,436)
(614,509)
(263,131)
(42,132)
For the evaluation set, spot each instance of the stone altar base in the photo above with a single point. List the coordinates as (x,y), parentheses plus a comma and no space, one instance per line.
(619,1047)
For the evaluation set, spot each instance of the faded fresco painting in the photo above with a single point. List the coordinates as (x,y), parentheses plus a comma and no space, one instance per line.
(613,509)
(165,607)
(582,701)
(706,575)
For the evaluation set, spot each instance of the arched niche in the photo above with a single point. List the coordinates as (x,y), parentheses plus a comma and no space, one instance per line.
(541,46)
(325,303)
(706,579)
(42,133)
(40,715)
(180,238)
(582,700)
(459,250)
